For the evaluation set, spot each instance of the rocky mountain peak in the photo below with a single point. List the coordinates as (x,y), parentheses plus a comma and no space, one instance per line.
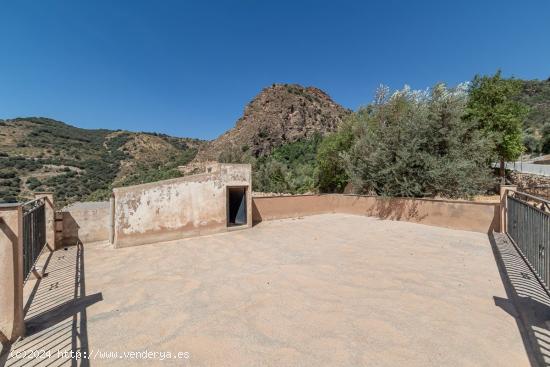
(279,114)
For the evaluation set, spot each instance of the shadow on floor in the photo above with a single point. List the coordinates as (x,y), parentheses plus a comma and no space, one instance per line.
(55,315)
(527,301)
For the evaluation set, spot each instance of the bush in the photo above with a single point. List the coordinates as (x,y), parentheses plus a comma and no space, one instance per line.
(417,144)
(332,175)
(12,182)
(290,168)
(8,174)
(8,199)
(532,143)
(33,183)
(545,141)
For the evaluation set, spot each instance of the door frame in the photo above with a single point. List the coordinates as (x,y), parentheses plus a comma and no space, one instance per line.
(246,199)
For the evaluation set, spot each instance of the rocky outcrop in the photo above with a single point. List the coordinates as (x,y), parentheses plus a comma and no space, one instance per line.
(280,114)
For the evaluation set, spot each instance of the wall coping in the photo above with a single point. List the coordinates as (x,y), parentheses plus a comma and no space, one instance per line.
(9,205)
(190,178)
(147,185)
(86,205)
(386,198)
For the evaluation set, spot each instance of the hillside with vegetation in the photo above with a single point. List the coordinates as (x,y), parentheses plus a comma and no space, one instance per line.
(407,143)
(278,115)
(40,154)
(411,143)
(298,140)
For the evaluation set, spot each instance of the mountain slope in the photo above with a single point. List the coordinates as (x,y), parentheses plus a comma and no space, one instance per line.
(283,121)
(39,154)
(280,114)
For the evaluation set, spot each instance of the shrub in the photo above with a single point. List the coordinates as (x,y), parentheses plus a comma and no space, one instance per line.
(417,144)
(332,175)
(545,141)
(290,168)
(8,174)
(33,183)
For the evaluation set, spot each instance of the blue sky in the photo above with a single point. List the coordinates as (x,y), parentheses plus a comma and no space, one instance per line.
(188,68)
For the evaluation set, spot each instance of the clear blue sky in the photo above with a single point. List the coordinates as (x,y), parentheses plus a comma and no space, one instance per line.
(188,68)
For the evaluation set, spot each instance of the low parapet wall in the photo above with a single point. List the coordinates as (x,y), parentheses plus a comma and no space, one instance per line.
(463,215)
(191,207)
(280,207)
(178,208)
(86,222)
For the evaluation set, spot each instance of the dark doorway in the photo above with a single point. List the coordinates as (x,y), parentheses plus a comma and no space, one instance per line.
(237,206)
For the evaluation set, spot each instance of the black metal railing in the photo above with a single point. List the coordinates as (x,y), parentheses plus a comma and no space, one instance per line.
(528,225)
(34,233)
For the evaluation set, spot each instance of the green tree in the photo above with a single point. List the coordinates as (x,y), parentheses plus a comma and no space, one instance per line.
(532,141)
(493,105)
(545,141)
(332,175)
(290,168)
(417,144)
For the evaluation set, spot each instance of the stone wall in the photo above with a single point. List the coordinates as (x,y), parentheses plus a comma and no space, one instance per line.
(463,215)
(178,208)
(526,180)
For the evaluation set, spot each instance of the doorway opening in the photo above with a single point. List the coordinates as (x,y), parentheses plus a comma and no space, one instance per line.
(236,211)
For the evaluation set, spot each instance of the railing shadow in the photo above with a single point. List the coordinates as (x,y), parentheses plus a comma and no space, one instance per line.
(527,301)
(56,318)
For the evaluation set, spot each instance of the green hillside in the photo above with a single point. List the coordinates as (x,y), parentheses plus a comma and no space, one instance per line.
(40,154)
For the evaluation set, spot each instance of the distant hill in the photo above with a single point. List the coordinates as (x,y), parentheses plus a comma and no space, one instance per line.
(278,115)
(41,154)
(284,121)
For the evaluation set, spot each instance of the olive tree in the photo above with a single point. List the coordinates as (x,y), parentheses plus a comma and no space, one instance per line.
(416,143)
(493,105)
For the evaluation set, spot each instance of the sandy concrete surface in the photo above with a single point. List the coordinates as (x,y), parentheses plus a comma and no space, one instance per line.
(326,290)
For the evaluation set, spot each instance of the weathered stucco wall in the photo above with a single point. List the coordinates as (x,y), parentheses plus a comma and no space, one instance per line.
(86,222)
(464,215)
(178,208)
(11,274)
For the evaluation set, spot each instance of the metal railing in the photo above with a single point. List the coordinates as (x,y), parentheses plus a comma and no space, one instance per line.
(528,225)
(34,233)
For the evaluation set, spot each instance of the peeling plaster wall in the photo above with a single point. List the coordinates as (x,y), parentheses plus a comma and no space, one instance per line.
(463,215)
(177,208)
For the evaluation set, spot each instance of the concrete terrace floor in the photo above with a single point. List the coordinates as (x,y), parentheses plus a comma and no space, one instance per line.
(326,290)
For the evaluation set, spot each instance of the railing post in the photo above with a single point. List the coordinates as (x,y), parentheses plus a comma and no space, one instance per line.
(12,325)
(50,217)
(112,219)
(504,189)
